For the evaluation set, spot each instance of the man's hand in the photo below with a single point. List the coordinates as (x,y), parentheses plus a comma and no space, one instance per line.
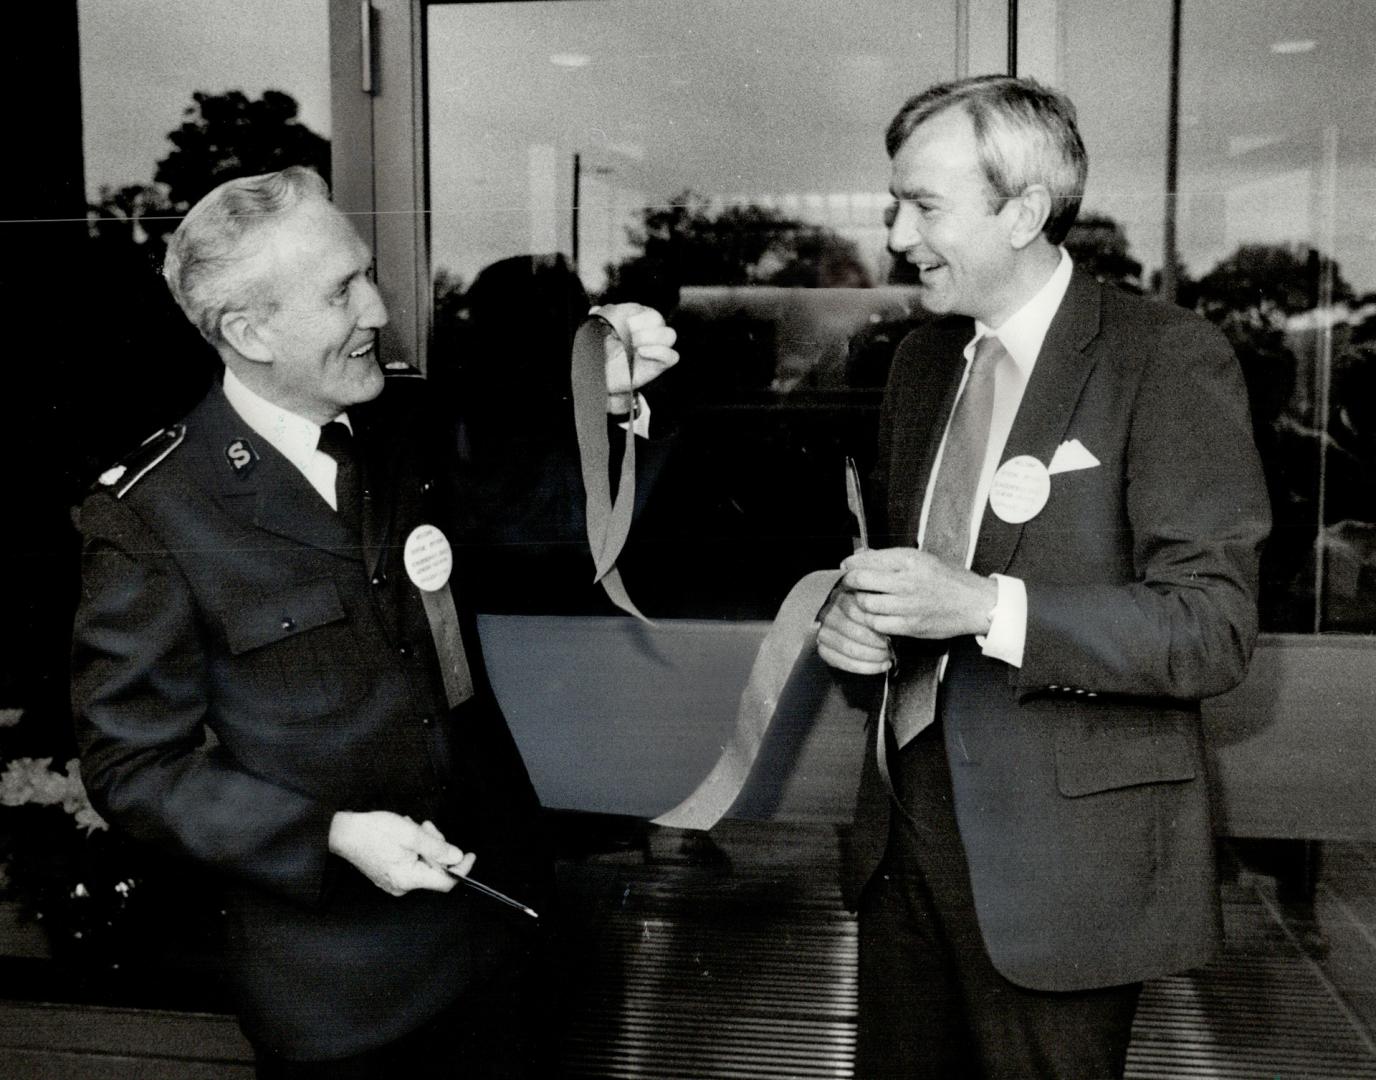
(903,592)
(651,341)
(846,642)
(395,853)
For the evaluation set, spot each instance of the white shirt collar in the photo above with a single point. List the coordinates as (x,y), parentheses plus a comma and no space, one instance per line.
(1023,332)
(295,437)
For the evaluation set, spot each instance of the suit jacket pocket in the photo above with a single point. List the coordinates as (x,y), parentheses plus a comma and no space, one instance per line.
(295,648)
(1110,750)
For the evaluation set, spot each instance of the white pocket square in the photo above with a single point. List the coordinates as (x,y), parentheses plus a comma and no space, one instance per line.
(1069,456)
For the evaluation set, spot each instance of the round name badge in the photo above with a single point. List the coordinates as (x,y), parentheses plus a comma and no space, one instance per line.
(428,558)
(1020,489)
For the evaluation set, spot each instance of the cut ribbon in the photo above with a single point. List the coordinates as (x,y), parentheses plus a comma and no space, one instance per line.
(786,650)
(608,519)
(443,617)
(429,564)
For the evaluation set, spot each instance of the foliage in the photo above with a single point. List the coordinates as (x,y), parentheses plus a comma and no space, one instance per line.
(28,781)
(140,215)
(1099,246)
(229,135)
(60,861)
(686,242)
(1266,284)
(223,136)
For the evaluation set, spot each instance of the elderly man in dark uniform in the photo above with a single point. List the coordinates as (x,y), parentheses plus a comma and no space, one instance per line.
(276,676)
(1075,507)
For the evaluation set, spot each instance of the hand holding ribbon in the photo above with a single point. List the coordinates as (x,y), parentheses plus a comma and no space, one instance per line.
(639,352)
(601,353)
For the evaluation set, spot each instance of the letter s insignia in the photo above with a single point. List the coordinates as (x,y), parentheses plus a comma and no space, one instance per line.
(241,456)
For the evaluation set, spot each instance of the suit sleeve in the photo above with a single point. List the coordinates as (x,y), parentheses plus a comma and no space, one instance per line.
(140,699)
(1198,512)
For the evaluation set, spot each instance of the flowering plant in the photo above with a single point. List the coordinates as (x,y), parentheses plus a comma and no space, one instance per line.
(33,781)
(60,861)
(113,914)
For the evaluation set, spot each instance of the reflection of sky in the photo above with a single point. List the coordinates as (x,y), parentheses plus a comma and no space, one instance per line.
(142,59)
(1253,124)
(788,97)
(771,98)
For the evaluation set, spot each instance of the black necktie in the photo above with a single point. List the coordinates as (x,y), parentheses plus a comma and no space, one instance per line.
(947,535)
(337,441)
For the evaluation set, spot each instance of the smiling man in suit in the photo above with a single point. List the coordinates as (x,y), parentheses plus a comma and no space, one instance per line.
(272,676)
(1075,507)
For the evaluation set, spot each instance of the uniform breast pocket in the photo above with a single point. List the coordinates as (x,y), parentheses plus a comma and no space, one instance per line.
(296,650)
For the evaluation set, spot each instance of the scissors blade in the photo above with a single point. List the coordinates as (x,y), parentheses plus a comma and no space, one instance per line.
(856,502)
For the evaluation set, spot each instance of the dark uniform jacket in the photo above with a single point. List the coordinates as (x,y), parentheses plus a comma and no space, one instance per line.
(1079,778)
(243,669)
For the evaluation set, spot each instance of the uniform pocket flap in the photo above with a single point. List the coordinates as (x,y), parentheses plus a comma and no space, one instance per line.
(266,619)
(1141,754)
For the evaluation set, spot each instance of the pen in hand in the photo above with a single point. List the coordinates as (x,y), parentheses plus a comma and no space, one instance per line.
(478,886)
(488,890)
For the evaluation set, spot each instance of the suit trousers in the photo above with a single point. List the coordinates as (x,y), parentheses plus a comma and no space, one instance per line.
(931,1002)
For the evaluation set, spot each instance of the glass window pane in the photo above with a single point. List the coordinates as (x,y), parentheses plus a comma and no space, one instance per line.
(1274,228)
(178,96)
(724,162)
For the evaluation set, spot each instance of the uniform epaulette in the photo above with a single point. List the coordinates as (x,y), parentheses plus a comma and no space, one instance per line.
(399,369)
(122,477)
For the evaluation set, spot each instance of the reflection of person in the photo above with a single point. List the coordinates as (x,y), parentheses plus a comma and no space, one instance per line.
(244,575)
(521,487)
(1044,845)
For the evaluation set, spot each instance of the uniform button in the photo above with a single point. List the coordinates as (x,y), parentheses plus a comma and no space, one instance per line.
(426,721)
(404,649)
(1092,693)
(288,625)
(379,579)
(367,493)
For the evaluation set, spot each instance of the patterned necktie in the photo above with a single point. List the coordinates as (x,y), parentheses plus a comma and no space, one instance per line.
(337,441)
(948,524)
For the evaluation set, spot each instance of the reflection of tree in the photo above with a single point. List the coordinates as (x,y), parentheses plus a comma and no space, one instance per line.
(1267,283)
(1099,246)
(686,242)
(1350,509)
(229,135)
(1256,296)
(136,215)
(223,136)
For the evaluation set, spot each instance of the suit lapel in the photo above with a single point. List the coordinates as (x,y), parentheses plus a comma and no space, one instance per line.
(1047,406)
(270,493)
(919,421)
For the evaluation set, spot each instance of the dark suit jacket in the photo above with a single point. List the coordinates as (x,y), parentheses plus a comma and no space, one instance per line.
(243,670)
(1079,778)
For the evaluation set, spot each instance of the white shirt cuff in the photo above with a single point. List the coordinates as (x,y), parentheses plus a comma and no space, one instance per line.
(641,424)
(1008,630)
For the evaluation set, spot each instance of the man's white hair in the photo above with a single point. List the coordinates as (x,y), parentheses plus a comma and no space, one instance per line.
(209,259)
